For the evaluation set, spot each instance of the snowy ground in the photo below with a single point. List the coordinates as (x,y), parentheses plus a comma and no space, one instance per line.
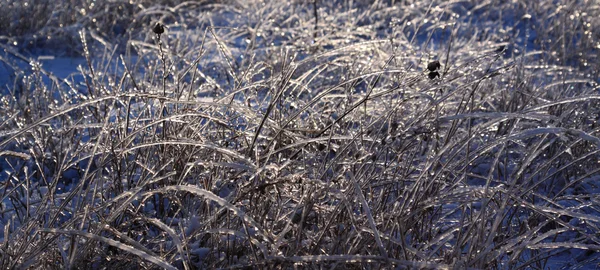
(280,134)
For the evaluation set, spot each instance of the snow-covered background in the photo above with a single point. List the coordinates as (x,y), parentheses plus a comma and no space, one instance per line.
(280,134)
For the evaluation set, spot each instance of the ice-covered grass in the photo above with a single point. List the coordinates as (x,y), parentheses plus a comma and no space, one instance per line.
(280,134)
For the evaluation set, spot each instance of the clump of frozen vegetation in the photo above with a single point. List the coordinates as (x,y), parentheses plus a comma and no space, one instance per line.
(274,134)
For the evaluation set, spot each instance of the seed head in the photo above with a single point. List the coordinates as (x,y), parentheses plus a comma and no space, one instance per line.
(433,66)
(321,147)
(501,48)
(394,127)
(158,29)
(433,74)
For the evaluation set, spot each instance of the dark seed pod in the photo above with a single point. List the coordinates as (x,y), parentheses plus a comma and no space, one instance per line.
(501,48)
(433,66)
(433,74)
(394,127)
(321,147)
(158,29)
(297,217)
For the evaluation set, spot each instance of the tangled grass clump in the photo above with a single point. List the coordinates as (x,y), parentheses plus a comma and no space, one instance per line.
(276,134)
